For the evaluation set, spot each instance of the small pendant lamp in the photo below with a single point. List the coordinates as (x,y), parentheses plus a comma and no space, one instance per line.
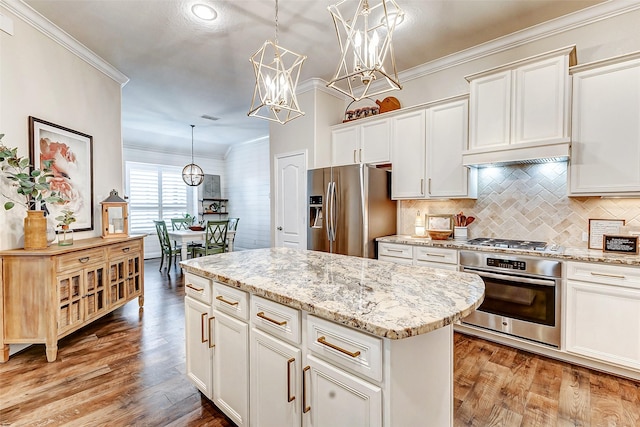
(192,174)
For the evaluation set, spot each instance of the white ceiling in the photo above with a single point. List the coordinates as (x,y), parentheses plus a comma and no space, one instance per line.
(181,68)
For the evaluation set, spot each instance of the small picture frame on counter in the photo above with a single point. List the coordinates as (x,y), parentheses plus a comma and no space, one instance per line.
(620,244)
(599,227)
(439,222)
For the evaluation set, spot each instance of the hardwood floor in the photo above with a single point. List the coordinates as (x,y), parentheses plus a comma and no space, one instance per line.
(127,369)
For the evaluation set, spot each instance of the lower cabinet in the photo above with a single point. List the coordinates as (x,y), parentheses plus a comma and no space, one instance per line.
(425,256)
(199,354)
(602,317)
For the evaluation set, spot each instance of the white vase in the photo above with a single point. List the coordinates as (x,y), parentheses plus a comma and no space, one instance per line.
(460,234)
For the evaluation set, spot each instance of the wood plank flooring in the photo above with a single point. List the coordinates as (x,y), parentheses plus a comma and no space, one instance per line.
(127,369)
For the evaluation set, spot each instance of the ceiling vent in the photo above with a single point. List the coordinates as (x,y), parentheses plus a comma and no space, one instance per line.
(208,117)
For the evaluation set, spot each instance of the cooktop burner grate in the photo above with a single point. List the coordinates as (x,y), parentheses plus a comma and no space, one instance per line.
(508,244)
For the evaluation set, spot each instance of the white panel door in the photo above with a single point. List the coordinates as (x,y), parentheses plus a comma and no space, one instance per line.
(375,141)
(339,399)
(276,390)
(408,156)
(490,111)
(290,201)
(345,145)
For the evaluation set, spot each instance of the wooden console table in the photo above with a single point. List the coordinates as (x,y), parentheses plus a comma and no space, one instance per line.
(49,293)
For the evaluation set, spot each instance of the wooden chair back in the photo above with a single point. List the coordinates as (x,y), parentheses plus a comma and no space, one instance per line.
(216,236)
(233,224)
(163,236)
(180,223)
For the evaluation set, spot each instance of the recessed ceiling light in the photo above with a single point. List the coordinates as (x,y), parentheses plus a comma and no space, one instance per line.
(204,12)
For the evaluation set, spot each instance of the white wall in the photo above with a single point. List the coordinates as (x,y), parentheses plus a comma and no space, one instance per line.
(41,78)
(247,171)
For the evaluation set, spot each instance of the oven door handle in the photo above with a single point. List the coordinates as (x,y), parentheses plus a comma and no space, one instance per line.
(517,279)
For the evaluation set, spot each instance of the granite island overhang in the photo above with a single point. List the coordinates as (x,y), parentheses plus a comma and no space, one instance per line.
(402,375)
(385,299)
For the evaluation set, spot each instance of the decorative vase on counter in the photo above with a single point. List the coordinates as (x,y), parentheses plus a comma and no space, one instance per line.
(65,237)
(460,234)
(35,230)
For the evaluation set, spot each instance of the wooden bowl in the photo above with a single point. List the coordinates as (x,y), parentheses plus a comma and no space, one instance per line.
(196,228)
(439,234)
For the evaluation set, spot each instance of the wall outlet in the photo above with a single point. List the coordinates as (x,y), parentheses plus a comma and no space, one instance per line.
(585,236)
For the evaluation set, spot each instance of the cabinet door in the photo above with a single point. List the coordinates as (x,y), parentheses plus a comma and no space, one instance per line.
(541,101)
(134,275)
(276,390)
(408,156)
(231,367)
(117,280)
(338,399)
(605,147)
(345,145)
(199,356)
(375,139)
(447,138)
(603,322)
(490,111)
(71,307)
(95,303)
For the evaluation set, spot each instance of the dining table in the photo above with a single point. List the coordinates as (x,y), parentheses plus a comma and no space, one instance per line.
(187,236)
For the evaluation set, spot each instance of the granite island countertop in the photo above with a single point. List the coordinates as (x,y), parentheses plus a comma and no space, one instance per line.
(565,254)
(383,298)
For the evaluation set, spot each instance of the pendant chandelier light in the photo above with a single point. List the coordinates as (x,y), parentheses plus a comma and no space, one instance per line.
(192,174)
(365,38)
(277,71)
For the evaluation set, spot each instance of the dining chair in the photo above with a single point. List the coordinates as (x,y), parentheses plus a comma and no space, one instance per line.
(215,241)
(233,226)
(183,224)
(167,250)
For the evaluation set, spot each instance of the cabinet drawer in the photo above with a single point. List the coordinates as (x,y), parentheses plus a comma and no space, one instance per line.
(356,351)
(231,301)
(395,250)
(80,259)
(275,318)
(429,254)
(609,274)
(197,287)
(125,248)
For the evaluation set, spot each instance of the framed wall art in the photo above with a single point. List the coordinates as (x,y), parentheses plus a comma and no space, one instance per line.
(600,227)
(440,222)
(73,167)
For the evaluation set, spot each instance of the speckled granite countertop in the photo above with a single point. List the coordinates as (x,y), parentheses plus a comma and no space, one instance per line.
(382,298)
(566,254)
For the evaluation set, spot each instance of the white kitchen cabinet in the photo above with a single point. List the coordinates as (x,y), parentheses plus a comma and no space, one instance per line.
(230,343)
(334,398)
(428,256)
(605,150)
(520,111)
(367,142)
(394,252)
(602,316)
(447,138)
(408,152)
(276,382)
(199,356)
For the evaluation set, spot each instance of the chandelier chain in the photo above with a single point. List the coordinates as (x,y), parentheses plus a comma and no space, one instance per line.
(276,22)
(192,126)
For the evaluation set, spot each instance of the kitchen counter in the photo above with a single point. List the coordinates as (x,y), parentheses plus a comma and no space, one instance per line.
(382,298)
(566,254)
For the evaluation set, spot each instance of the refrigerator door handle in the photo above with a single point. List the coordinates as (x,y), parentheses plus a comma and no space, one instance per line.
(327,216)
(334,211)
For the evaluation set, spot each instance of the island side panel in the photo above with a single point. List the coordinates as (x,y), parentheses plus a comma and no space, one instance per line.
(419,371)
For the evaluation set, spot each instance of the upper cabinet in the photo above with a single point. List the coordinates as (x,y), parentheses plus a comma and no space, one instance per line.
(426,152)
(605,150)
(520,111)
(366,142)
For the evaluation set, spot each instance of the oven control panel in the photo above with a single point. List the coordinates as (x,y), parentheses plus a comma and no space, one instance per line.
(506,263)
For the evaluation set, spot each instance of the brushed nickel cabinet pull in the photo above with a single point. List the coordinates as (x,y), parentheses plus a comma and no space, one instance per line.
(190,286)
(436,255)
(289,397)
(395,250)
(211,344)
(84,259)
(202,317)
(614,276)
(221,298)
(125,250)
(305,408)
(429,183)
(323,341)
(277,322)
(422,186)
(360,155)
(354,156)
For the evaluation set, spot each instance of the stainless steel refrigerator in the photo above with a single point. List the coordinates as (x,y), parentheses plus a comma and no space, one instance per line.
(349,206)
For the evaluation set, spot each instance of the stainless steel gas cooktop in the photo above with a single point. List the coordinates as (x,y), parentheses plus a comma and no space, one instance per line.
(528,245)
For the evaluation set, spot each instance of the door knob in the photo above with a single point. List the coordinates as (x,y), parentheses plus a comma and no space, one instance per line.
(279,228)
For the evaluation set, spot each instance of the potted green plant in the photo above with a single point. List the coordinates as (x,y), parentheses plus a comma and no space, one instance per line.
(65,237)
(32,190)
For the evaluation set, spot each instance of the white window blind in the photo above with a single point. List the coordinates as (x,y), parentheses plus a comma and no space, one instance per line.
(156,192)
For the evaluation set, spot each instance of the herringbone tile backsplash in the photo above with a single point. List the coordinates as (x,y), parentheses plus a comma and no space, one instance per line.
(527,202)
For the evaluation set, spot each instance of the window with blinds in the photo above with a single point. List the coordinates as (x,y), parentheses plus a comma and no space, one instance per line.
(156,192)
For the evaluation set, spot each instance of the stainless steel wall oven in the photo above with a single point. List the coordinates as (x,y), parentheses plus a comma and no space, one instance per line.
(522,295)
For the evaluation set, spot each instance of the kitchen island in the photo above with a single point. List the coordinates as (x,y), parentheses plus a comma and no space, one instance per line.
(369,343)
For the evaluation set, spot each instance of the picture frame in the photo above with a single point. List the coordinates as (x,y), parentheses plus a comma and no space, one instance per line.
(73,168)
(439,222)
(599,227)
(620,244)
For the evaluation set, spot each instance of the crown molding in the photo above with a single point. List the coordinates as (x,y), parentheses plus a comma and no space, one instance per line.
(48,28)
(316,83)
(565,23)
